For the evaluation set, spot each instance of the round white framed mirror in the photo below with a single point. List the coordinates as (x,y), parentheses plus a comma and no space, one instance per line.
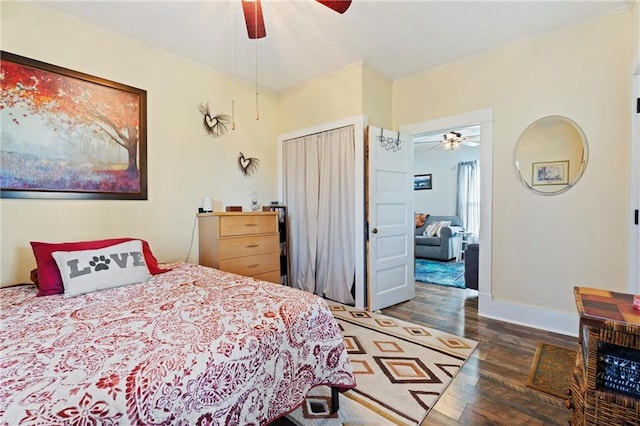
(551,155)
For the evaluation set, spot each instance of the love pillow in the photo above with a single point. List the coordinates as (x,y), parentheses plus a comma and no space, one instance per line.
(86,271)
(49,279)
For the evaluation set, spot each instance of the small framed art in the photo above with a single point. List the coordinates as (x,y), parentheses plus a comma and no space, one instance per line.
(550,173)
(422,182)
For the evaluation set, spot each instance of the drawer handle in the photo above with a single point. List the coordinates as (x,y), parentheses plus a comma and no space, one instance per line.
(250,224)
(253,246)
(253,266)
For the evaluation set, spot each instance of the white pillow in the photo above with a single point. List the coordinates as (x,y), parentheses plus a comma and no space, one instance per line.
(430,230)
(84,271)
(443,224)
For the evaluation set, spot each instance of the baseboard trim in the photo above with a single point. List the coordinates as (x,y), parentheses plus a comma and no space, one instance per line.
(529,316)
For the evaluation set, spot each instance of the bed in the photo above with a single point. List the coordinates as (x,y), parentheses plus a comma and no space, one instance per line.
(192,346)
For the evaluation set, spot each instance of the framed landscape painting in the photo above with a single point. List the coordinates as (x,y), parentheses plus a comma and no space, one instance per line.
(71,135)
(422,182)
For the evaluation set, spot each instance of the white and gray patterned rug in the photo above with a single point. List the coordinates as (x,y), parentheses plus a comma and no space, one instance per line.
(401,370)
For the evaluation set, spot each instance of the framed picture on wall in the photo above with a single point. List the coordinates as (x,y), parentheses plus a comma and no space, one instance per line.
(70,135)
(422,182)
(550,173)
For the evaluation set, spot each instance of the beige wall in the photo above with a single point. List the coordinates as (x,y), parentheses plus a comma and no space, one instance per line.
(545,245)
(328,98)
(184,165)
(356,89)
(377,93)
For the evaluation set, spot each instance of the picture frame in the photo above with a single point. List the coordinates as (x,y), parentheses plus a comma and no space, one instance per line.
(421,182)
(70,135)
(550,173)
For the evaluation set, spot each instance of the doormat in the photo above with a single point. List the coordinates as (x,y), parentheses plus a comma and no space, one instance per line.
(401,370)
(444,273)
(551,369)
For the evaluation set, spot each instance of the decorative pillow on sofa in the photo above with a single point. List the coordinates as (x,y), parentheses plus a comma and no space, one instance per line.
(48,275)
(430,230)
(420,218)
(433,229)
(443,224)
(85,271)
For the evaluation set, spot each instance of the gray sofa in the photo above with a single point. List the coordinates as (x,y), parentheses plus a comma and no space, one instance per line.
(445,247)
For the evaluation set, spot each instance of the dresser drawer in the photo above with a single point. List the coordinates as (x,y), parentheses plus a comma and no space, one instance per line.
(272,277)
(248,246)
(252,265)
(248,225)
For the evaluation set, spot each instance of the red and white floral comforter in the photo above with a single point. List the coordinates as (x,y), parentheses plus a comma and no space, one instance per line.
(191,346)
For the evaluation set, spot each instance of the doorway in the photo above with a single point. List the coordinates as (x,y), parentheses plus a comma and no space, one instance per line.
(484,118)
(450,157)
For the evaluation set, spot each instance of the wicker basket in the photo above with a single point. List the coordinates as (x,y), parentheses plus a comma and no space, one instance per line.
(625,336)
(592,403)
(607,408)
(577,392)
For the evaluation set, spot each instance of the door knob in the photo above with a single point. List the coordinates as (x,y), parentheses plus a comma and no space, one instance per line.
(375,230)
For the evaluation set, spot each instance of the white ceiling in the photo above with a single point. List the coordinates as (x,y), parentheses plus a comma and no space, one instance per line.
(305,39)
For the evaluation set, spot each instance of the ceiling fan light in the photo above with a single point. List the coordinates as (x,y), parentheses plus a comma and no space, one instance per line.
(451,144)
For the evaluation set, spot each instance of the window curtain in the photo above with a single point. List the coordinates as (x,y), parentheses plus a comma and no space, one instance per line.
(468,197)
(319,192)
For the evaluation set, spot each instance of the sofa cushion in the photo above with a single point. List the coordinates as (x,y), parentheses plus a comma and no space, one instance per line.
(427,241)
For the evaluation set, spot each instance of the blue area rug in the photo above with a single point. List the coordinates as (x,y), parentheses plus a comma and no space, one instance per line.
(444,273)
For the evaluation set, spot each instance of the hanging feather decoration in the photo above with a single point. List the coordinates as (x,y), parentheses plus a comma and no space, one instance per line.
(249,165)
(214,125)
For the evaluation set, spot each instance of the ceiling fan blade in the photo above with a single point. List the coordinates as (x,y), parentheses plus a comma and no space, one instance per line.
(253,18)
(469,143)
(339,6)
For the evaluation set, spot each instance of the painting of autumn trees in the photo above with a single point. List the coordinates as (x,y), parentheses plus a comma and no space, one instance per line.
(69,135)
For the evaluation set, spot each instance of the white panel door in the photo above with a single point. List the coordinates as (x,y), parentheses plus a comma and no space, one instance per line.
(390,218)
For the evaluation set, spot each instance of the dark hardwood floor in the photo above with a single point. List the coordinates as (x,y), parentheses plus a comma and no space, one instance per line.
(490,388)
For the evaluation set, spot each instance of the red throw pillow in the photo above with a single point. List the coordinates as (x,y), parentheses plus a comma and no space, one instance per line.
(49,278)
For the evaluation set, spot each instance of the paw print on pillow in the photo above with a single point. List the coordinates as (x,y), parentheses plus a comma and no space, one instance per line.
(100,263)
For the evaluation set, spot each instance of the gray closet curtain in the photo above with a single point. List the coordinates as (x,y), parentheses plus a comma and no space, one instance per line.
(319,192)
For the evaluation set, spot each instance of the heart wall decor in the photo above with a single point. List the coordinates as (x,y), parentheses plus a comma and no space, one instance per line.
(214,125)
(248,165)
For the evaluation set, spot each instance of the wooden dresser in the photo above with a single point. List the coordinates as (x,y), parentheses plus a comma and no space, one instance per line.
(245,243)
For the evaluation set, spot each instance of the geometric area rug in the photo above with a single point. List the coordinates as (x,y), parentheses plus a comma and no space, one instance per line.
(401,370)
(444,273)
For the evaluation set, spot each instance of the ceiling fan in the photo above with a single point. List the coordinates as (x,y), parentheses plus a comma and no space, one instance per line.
(255,22)
(450,140)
